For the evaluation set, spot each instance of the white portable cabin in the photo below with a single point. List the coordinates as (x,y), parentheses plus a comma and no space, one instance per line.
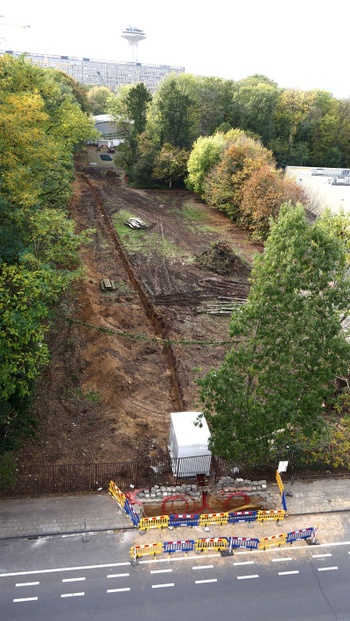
(188,445)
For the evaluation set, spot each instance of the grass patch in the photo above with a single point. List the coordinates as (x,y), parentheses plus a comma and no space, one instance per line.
(146,241)
(192,213)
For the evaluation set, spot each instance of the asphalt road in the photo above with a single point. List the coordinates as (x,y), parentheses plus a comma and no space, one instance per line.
(66,578)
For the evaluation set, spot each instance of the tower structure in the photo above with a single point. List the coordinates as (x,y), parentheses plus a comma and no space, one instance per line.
(133,36)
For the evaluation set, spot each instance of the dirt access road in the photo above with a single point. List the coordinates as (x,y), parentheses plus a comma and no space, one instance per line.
(130,357)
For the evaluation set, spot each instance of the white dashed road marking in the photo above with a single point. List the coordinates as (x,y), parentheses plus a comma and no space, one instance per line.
(26,599)
(205,581)
(118,590)
(162,586)
(247,577)
(287,573)
(73,594)
(326,568)
(19,584)
(73,579)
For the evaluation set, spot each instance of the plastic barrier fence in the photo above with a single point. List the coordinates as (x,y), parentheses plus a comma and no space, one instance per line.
(123,502)
(215,543)
(114,491)
(178,546)
(271,515)
(275,540)
(188,519)
(242,516)
(284,502)
(244,542)
(161,521)
(147,549)
(279,482)
(131,513)
(304,533)
(213,518)
(281,489)
(222,544)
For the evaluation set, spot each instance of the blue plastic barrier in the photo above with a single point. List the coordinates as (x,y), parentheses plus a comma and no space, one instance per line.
(131,513)
(178,546)
(284,502)
(242,516)
(243,542)
(186,519)
(303,533)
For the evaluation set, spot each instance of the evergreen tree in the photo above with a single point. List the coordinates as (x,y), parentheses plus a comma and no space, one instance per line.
(288,344)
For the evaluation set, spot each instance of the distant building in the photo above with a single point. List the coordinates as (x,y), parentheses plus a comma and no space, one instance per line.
(105,124)
(325,187)
(103,72)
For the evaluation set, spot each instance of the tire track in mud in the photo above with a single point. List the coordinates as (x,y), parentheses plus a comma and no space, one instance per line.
(156,320)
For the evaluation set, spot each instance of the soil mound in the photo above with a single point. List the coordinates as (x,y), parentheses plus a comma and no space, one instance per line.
(222,260)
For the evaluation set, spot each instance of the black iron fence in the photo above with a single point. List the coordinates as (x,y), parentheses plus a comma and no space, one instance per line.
(36,480)
(41,480)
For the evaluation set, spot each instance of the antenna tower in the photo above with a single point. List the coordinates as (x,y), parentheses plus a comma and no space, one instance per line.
(133,36)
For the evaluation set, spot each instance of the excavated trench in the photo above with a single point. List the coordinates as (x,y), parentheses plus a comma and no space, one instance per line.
(209,503)
(156,321)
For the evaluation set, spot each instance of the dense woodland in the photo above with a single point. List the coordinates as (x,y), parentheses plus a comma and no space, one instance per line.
(227,141)
(42,123)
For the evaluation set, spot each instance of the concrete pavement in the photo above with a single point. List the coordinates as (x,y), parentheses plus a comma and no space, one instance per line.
(30,517)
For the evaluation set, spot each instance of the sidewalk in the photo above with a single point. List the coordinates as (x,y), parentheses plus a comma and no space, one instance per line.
(60,514)
(311,502)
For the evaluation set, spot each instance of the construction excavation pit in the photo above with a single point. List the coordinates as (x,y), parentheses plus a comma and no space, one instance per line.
(227,495)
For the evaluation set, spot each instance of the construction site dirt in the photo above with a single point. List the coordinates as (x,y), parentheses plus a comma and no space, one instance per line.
(123,359)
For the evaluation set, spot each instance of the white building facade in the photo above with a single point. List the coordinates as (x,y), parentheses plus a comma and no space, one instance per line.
(103,72)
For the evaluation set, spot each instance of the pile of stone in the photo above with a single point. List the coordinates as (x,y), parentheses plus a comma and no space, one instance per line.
(229,484)
(158,492)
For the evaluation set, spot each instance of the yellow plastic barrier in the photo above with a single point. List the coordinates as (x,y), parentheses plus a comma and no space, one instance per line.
(275,540)
(279,482)
(216,543)
(116,493)
(213,518)
(271,515)
(161,521)
(147,549)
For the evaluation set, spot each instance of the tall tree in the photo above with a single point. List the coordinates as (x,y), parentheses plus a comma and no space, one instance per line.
(222,187)
(97,97)
(136,104)
(129,108)
(263,193)
(174,108)
(288,344)
(253,106)
(170,164)
(205,154)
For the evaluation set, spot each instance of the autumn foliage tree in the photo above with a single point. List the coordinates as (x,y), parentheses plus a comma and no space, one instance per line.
(222,188)
(263,193)
(42,123)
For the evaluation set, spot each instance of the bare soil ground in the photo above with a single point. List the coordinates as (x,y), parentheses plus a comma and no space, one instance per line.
(123,360)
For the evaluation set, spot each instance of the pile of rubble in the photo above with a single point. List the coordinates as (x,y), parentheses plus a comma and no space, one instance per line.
(229,484)
(158,492)
(224,485)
